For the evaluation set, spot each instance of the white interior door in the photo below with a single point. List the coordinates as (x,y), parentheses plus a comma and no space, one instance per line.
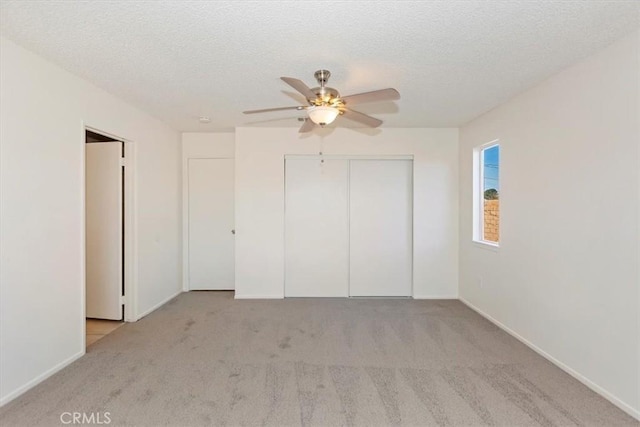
(381,198)
(316,228)
(211,224)
(104,203)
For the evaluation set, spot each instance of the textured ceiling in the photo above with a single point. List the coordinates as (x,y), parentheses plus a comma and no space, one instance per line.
(450,60)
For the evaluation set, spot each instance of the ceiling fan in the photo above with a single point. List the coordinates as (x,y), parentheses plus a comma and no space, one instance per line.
(325,103)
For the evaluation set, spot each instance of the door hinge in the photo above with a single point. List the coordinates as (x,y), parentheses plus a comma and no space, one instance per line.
(122,162)
(121,299)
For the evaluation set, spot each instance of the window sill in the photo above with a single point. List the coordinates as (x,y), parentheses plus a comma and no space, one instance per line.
(488,246)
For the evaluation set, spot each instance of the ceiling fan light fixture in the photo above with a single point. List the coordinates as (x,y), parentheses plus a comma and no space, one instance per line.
(325,103)
(323,114)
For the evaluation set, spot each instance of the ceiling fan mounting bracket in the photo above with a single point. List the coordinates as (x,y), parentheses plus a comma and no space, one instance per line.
(322,76)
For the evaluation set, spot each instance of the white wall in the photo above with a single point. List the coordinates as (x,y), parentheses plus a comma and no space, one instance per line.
(260,201)
(202,145)
(565,277)
(42,112)
(199,145)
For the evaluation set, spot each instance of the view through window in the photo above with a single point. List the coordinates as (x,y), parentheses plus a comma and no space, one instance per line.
(490,170)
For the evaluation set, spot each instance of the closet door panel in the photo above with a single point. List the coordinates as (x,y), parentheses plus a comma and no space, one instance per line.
(316,228)
(211,224)
(381,198)
(104,233)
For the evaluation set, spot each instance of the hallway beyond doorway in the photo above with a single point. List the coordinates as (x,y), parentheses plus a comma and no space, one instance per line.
(98,328)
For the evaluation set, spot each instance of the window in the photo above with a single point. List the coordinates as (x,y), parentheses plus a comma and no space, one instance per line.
(487,193)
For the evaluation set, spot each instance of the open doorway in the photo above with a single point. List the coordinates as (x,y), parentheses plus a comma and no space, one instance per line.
(106,232)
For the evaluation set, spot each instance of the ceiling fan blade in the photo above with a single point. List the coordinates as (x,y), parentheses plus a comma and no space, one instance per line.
(299,107)
(300,87)
(389,94)
(307,126)
(362,118)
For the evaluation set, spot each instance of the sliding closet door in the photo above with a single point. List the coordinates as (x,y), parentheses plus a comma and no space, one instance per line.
(316,228)
(381,198)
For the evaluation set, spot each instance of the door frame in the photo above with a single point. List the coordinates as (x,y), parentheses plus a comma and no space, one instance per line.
(410,157)
(130,229)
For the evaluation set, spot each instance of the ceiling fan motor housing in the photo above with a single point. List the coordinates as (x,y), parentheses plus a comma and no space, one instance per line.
(325,95)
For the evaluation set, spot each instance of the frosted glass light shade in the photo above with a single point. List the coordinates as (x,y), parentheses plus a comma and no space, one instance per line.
(322,114)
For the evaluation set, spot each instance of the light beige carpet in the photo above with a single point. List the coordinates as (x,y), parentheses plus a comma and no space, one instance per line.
(207,359)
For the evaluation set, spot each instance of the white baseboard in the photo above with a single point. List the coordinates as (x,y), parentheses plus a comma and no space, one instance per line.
(160,304)
(282,296)
(37,380)
(236,296)
(584,380)
(435,297)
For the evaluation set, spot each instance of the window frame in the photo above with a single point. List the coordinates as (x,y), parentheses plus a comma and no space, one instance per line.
(478,194)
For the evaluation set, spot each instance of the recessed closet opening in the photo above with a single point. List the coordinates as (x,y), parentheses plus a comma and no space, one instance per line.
(348,226)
